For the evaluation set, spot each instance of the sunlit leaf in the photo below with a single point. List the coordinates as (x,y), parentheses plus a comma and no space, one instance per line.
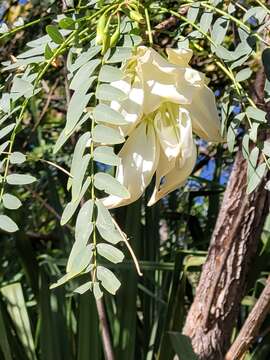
(256,178)
(120,54)
(110,253)
(105,155)
(17,158)
(110,185)
(6,130)
(83,74)
(82,259)
(4,146)
(256,114)
(109,93)
(72,206)
(83,230)
(108,280)
(109,74)
(64,135)
(79,176)
(84,224)
(11,202)
(104,113)
(106,226)
(105,135)
(76,107)
(243,74)
(84,57)
(78,152)
(266,148)
(83,288)
(20,179)
(7,224)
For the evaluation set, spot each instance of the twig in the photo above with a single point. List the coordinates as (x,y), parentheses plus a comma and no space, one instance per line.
(123,235)
(105,333)
(57,167)
(172,21)
(48,207)
(67,91)
(46,106)
(251,326)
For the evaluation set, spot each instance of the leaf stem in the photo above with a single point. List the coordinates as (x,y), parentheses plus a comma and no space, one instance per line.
(263,6)
(148,24)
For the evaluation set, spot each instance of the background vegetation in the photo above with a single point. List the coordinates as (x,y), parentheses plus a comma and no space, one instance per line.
(146,316)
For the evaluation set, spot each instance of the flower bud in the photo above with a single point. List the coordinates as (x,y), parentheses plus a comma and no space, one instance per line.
(101,25)
(106,37)
(116,35)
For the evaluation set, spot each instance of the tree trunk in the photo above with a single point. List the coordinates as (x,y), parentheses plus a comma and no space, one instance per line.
(223,280)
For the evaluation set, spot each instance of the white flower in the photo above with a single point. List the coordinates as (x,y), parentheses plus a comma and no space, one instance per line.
(167,102)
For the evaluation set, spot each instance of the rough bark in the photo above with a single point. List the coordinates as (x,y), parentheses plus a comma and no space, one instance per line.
(223,280)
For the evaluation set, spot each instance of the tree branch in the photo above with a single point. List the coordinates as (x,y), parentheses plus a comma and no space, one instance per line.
(105,333)
(251,326)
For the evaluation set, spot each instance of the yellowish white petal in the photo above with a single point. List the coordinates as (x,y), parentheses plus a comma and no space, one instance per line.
(174,174)
(139,158)
(130,108)
(204,115)
(180,57)
(168,133)
(175,178)
(164,81)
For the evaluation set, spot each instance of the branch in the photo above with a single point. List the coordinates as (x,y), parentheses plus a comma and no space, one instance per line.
(105,333)
(251,326)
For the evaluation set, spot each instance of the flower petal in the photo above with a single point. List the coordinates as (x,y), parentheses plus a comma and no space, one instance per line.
(179,56)
(168,133)
(175,178)
(204,115)
(130,108)
(175,173)
(139,157)
(163,81)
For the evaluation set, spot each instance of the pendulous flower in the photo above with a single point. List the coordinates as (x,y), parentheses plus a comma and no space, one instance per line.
(167,101)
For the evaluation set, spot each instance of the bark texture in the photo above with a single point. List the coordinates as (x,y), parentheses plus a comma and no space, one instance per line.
(223,280)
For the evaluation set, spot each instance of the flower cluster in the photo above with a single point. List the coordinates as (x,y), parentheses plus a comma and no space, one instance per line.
(166,102)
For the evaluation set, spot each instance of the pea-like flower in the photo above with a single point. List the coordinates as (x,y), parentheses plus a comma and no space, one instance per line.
(166,102)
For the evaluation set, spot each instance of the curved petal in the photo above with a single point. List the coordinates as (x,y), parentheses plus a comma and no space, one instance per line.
(204,115)
(175,173)
(179,56)
(168,133)
(175,178)
(139,157)
(164,81)
(130,108)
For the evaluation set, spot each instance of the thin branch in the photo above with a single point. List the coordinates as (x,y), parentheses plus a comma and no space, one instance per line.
(46,106)
(125,240)
(251,326)
(105,333)
(48,207)
(57,167)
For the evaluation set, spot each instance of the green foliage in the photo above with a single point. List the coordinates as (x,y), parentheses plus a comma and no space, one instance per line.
(54,115)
